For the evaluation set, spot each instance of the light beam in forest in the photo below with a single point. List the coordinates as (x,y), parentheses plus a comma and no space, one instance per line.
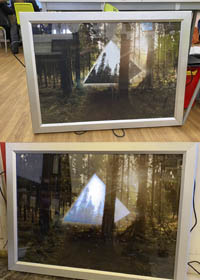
(106,68)
(89,206)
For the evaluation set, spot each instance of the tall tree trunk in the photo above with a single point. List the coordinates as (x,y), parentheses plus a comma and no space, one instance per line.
(47,168)
(159,44)
(122,178)
(88,65)
(165,55)
(139,31)
(66,72)
(162,169)
(67,162)
(110,197)
(124,60)
(153,187)
(128,181)
(150,59)
(45,198)
(77,58)
(142,194)
(134,40)
(88,167)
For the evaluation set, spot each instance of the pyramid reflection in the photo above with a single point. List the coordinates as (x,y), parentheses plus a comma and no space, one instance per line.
(89,206)
(106,68)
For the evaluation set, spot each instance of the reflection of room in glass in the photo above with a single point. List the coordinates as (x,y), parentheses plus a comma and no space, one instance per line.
(107,66)
(89,206)
(106,71)
(86,209)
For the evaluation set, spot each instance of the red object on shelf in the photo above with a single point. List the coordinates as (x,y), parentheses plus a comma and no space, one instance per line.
(193,76)
(3,153)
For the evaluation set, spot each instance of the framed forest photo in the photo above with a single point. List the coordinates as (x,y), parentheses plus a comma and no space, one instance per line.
(100,210)
(88,71)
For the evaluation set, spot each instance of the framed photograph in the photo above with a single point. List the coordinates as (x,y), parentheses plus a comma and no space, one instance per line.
(105,70)
(195,48)
(100,210)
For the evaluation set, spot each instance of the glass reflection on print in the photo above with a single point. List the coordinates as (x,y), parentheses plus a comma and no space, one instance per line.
(106,71)
(84,210)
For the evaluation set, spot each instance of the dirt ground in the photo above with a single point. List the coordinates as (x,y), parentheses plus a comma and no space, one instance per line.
(105,104)
(83,247)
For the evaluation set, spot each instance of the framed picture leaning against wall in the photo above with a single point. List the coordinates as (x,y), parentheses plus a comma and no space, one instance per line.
(100,210)
(89,71)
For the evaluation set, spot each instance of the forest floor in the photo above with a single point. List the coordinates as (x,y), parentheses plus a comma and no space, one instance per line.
(83,247)
(96,104)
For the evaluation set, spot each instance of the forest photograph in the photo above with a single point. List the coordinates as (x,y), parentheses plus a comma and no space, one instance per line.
(100,211)
(106,71)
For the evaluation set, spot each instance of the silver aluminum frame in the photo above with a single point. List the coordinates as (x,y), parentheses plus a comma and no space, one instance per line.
(3,228)
(27,19)
(194,244)
(189,151)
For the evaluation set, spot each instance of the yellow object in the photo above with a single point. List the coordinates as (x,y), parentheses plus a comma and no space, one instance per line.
(110,8)
(191,73)
(22,7)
